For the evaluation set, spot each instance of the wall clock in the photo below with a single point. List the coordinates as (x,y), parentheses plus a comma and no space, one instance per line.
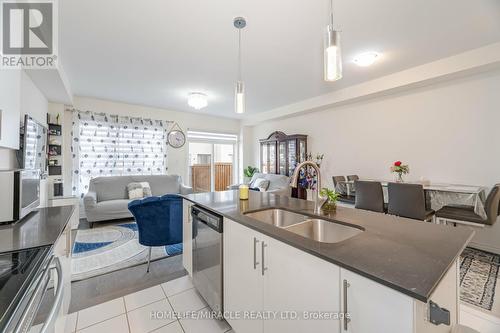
(176,137)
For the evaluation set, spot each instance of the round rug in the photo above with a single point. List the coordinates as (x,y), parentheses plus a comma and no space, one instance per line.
(108,248)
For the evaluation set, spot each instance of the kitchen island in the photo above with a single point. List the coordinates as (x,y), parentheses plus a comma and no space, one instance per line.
(386,277)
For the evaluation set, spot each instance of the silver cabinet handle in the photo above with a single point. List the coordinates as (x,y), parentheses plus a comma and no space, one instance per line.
(346,320)
(58,298)
(255,262)
(264,268)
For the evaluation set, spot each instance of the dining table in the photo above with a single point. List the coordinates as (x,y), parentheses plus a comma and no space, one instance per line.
(440,194)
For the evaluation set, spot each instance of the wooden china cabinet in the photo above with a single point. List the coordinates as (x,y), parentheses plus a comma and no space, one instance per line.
(280,153)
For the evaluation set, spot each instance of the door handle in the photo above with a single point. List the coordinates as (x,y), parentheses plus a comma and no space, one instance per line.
(264,268)
(255,262)
(346,320)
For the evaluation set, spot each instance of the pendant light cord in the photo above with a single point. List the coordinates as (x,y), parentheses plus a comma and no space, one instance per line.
(331,13)
(239,54)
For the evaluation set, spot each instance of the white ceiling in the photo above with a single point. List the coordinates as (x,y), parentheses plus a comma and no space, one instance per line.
(153,52)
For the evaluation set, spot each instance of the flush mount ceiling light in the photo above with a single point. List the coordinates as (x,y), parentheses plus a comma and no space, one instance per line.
(239,93)
(332,55)
(366,59)
(197,100)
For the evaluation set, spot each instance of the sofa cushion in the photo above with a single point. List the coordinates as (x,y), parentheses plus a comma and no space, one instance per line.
(110,210)
(138,190)
(261,183)
(161,184)
(111,188)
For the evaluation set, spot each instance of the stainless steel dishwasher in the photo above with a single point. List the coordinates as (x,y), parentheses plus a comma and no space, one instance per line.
(207,256)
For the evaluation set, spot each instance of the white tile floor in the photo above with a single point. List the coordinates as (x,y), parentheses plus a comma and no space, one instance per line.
(479,320)
(132,313)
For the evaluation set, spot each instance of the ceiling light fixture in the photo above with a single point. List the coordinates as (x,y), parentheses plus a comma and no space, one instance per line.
(239,94)
(197,100)
(366,59)
(332,53)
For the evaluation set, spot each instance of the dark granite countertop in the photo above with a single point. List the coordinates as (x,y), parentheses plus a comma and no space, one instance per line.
(40,228)
(406,255)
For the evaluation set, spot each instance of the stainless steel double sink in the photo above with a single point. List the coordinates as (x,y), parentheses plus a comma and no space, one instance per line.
(313,228)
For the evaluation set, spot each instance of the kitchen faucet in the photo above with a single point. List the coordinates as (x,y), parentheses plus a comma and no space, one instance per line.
(318,201)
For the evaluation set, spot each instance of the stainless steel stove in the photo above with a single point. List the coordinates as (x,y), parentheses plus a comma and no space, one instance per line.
(25,278)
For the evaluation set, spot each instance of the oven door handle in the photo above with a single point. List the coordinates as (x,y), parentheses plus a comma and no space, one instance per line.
(58,297)
(41,285)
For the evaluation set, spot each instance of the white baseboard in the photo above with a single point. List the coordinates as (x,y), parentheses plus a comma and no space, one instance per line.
(485,247)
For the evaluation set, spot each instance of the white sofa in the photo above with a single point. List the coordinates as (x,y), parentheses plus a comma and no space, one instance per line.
(107,198)
(278,184)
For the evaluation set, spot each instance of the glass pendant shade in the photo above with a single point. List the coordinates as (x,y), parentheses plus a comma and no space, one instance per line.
(239,97)
(332,56)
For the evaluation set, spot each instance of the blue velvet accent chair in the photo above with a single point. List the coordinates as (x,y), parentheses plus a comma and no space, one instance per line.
(159,220)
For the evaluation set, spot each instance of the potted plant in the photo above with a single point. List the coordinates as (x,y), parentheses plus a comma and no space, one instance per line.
(399,169)
(331,199)
(248,172)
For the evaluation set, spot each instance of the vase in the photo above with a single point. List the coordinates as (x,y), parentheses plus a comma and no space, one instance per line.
(329,207)
(310,194)
(398,177)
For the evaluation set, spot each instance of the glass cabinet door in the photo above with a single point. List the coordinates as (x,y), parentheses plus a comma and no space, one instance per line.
(264,158)
(272,157)
(302,151)
(292,156)
(282,158)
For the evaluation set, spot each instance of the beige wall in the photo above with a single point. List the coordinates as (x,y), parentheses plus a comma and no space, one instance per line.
(447,132)
(177,158)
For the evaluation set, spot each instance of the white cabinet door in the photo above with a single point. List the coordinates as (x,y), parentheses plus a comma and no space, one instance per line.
(187,237)
(243,290)
(374,308)
(297,283)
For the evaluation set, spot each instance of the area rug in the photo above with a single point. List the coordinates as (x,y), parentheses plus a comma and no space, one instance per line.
(110,247)
(479,280)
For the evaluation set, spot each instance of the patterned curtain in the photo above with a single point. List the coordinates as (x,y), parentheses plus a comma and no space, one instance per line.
(111,145)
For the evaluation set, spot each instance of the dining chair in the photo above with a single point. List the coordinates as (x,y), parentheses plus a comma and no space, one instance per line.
(339,184)
(352,178)
(408,200)
(369,196)
(463,214)
(159,220)
(341,189)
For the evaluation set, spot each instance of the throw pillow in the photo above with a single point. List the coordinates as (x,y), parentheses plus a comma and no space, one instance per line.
(139,190)
(262,184)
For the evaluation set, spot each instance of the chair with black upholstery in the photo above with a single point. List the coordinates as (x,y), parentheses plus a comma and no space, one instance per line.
(369,196)
(408,200)
(465,214)
(341,188)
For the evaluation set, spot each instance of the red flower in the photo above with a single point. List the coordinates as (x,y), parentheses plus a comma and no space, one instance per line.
(397,163)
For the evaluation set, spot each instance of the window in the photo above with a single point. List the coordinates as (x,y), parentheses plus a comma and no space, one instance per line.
(108,145)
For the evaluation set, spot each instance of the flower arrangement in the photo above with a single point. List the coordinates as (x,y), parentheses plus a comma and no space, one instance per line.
(307,176)
(400,169)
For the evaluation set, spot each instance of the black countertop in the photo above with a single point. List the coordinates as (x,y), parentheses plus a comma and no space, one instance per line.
(406,255)
(40,228)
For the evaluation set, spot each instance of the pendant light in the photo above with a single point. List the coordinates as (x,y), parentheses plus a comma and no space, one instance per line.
(332,56)
(239,93)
